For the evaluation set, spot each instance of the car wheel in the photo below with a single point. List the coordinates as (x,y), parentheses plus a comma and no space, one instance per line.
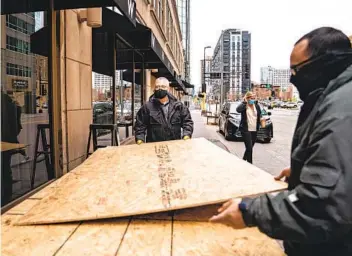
(220,131)
(226,133)
(267,140)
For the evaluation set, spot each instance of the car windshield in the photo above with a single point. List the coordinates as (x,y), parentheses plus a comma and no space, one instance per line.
(102,106)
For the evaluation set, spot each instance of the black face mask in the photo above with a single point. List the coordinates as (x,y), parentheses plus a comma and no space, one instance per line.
(160,94)
(319,73)
(306,83)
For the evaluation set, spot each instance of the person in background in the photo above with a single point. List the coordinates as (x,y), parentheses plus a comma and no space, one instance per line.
(250,122)
(314,216)
(10,128)
(163,118)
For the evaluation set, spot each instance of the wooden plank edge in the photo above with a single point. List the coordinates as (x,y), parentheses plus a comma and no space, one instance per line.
(25,223)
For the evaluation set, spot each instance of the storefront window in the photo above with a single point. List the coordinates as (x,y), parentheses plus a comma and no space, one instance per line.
(103,105)
(24,109)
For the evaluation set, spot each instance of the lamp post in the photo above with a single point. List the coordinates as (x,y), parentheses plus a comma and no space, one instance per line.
(204,85)
(204,89)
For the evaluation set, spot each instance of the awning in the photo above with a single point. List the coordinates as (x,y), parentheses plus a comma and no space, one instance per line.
(187,85)
(140,39)
(138,44)
(127,7)
(174,81)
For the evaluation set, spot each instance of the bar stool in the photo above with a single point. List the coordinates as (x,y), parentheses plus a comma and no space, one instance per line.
(41,134)
(115,140)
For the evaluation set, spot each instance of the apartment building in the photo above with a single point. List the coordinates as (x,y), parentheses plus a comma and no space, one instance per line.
(276,77)
(232,58)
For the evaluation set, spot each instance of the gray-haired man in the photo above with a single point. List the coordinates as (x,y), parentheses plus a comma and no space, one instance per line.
(163,118)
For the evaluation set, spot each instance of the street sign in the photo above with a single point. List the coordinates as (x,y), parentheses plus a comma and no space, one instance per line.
(19,84)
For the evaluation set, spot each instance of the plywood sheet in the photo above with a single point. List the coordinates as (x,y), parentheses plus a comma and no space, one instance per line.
(95,238)
(44,191)
(192,238)
(156,177)
(23,207)
(32,240)
(147,237)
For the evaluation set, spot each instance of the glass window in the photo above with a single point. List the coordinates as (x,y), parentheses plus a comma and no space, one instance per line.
(24,106)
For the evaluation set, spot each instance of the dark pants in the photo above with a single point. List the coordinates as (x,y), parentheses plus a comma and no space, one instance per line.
(6,178)
(249,140)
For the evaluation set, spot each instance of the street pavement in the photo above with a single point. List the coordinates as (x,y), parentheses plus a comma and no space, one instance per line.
(271,157)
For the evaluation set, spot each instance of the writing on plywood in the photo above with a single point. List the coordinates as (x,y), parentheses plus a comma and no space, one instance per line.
(167,176)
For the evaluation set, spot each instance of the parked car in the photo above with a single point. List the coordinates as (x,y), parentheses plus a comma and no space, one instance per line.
(230,119)
(102,114)
(290,105)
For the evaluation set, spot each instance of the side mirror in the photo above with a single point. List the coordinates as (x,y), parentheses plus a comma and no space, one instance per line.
(269,113)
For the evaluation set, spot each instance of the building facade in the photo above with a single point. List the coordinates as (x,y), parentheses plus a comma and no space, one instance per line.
(276,77)
(232,58)
(184,13)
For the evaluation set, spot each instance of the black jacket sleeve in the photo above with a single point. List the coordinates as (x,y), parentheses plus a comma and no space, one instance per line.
(241,107)
(142,121)
(187,122)
(319,209)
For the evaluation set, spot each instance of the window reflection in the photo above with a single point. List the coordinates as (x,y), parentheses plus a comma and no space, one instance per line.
(24,107)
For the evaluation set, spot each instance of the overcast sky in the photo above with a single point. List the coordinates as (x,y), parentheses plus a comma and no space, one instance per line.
(275,26)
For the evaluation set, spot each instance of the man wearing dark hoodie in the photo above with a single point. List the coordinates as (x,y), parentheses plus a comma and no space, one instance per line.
(314,216)
(163,118)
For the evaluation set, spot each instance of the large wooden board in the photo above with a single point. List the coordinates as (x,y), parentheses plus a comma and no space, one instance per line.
(95,238)
(147,237)
(32,240)
(199,238)
(132,180)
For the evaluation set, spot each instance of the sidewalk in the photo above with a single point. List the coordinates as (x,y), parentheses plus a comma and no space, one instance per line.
(202,130)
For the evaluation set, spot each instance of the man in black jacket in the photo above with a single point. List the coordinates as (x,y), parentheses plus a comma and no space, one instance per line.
(163,117)
(314,217)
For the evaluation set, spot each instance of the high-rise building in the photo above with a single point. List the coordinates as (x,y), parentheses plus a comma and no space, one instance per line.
(232,58)
(183,10)
(266,75)
(275,77)
(103,83)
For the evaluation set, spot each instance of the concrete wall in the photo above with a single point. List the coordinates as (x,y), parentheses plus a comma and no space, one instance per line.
(76,87)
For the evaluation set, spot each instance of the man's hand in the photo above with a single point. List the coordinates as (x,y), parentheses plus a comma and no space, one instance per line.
(230,215)
(139,142)
(186,138)
(284,173)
